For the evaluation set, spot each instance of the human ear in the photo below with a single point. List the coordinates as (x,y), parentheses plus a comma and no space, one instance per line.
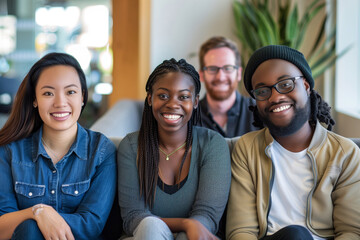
(239,71)
(149,99)
(307,86)
(196,102)
(201,74)
(35,104)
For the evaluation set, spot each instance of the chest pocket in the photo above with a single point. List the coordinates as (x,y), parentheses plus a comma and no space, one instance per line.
(29,194)
(29,190)
(72,195)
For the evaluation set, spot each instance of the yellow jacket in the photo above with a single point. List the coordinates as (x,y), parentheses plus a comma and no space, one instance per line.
(333,207)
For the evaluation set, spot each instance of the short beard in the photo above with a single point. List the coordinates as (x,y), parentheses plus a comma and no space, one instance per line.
(219,96)
(302,115)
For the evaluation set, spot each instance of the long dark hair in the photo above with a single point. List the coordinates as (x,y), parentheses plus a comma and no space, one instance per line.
(24,119)
(320,110)
(148,142)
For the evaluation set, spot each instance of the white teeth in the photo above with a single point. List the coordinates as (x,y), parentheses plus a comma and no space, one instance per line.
(282,108)
(60,114)
(172,117)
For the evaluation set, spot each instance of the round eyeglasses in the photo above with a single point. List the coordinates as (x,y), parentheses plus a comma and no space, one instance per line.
(283,86)
(214,69)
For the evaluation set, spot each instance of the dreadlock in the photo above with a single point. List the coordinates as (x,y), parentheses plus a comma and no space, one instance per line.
(148,141)
(320,110)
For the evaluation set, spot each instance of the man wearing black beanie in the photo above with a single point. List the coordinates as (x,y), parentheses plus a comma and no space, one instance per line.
(294,179)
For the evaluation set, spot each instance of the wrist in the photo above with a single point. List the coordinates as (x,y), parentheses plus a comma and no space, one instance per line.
(37,209)
(188,223)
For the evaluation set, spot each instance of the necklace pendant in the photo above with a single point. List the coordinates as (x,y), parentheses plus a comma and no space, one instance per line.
(167,158)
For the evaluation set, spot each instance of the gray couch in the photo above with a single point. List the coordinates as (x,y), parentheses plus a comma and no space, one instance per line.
(125,117)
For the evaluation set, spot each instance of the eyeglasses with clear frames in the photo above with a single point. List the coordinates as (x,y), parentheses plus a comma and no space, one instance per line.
(282,87)
(214,69)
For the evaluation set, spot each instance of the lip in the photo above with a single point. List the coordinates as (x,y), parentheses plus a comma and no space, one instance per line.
(280,108)
(60,116)
(221,85)
(171,117)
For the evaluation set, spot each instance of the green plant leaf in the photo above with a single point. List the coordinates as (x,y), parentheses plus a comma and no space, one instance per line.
(257,27)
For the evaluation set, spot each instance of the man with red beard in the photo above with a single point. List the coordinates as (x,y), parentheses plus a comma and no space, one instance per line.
(223,108)
(294,179)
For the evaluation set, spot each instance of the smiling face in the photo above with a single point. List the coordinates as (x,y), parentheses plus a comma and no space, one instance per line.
(173,100)
(220,86)
(59,98)
(283,114)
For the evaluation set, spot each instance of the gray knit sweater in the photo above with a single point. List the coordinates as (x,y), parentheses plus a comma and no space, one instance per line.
(203,196)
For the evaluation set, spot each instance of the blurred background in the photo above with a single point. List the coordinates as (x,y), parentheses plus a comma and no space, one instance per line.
(30,29)
(119,42)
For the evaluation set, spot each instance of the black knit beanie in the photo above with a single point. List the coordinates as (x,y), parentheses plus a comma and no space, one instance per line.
(276,52)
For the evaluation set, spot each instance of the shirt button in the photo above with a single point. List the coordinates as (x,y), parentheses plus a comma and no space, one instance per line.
(52,191)
(76,192)
(30,194)
(54,171)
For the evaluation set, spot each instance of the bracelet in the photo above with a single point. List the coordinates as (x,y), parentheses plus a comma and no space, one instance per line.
(36,209)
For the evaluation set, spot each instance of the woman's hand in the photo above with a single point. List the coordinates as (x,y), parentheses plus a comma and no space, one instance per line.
(51,224)
(196,231)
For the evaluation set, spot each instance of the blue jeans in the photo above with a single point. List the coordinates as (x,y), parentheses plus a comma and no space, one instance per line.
(28,230)
(154,228)
(293,232)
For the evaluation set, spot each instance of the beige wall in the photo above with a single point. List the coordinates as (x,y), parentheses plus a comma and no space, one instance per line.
(347,126)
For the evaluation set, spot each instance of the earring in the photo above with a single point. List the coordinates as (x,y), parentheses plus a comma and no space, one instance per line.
(82,104)
(34,105)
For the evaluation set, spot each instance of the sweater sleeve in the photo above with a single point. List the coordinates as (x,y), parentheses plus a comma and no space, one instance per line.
(132,206)
(346,195)
(214,183)
(241,222)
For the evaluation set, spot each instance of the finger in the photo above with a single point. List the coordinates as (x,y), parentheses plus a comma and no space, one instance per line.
(69,235)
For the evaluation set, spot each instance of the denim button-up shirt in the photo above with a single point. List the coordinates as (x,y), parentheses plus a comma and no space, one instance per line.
(80,187)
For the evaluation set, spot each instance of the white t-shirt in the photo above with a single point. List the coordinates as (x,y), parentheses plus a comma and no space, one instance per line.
(293,181)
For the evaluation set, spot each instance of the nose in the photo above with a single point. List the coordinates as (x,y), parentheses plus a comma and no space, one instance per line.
(221,75)
(60,100)
(173,103)
(275,95)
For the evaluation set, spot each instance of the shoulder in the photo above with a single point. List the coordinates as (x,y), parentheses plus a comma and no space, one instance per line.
(206,135)
(129,142)
(344,144)
(97,140)
(325,139)
(257,140)
(208,141)
(245,101)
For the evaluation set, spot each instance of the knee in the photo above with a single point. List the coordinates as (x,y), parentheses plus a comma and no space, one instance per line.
(297,232)
(28,229)
(181,236)
(152,228)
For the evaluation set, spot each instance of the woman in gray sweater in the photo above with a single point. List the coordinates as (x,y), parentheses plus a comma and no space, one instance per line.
(174,177)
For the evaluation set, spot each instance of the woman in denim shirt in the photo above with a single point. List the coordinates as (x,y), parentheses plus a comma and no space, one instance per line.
(57,178)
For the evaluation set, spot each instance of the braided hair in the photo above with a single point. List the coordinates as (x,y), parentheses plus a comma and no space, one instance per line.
(320,110)
(148,141)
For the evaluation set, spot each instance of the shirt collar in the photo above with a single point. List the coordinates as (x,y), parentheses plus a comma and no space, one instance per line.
(79,147)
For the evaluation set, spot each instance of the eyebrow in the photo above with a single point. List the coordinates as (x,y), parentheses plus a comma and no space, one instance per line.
(278,79)
(165,89)
(68,86)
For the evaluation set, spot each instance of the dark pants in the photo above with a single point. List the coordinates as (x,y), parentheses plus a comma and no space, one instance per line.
(293,232)
(28,230)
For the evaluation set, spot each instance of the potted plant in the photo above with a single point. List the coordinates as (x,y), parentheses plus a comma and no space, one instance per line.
(260,23)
